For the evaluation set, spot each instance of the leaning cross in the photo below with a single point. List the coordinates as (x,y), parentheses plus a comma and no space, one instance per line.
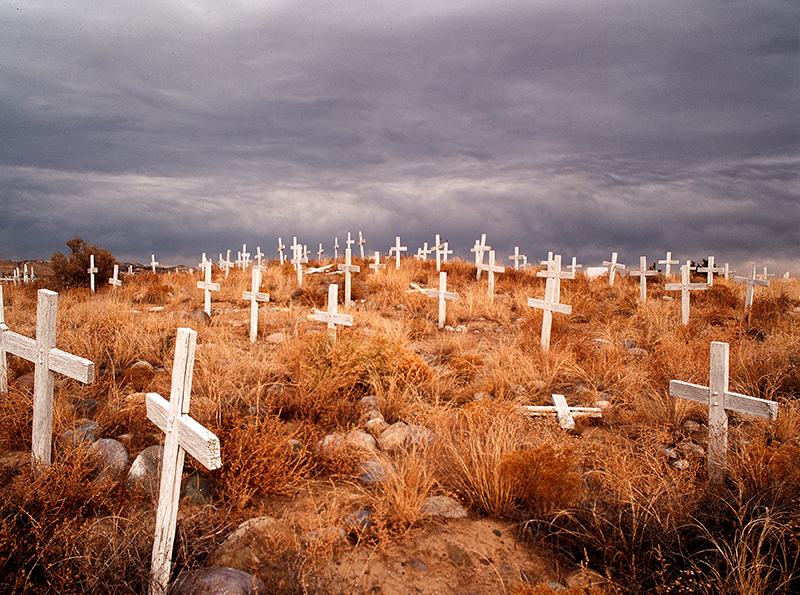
(320,252)
(91,270)
(613,266)
(710,269)
(719,399)
(643,274)
(281,248)
(332,316)
(397,248)
(668,262)
(47,361)
(255,297)
(685,287)
(377,264)
(115,281)
(566,415)
(751,281)
(361,243)
(208,286)
(549,305)
(479,248)
(183,434)
(348,269)
(443,295)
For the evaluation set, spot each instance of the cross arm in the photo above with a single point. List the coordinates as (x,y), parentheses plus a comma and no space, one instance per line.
(554,306)
(733,401)
(749,281)
(78,368)
(19,345)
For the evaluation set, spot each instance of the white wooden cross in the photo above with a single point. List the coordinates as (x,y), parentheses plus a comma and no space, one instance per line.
(281,248)
(361,243)
(668,262)
(438,247)
(208,286)
(183,434)
(298,260)
(202,265)
(549,262)
(377,264)
(245,257)
(445,251)
(115,281)
(422,253)
(492,268)
(349,240)
(3,366)
(397,248)
(554,271)
(259,256)
(153,262)
(91,270)
(226,264)
(710,269)
(550,303)
(348,268)
(443,296)
(643,273)
(613,266)
(516,257)
(685,287)
(255,297)
(335,249)
(719,400)
(751,281)
(566,415)
(727,272)
(574,266)
(764,274)
(479,248)
(47,361)
(320,252)
(332,316)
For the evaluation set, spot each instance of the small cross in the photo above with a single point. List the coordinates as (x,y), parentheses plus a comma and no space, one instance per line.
(208,286)
(443,296)
(153,262)
(298,260)
(438,246)
(479,248)
(320,252)
(281,248)
(516,258)
(335,249)
(574,266)
(668,262)
(226,264)
(349,240)
(566,415)
(259,255)
(245,257)
(492,268)
(727,272)
(361,243)
(377,264)
(114,281)
(397,250)
(332,316)
(710,269)
(554,271)
(91,270)
(255,297)
(685,287)
(613,266)
(643,273)
(348,269)
(202,265)
(751,281)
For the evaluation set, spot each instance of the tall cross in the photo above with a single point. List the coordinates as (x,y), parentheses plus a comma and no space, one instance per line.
(183,434)
(281,248)
(208,287)
(443,296)
(613,266)
(361,243)
(114,281)
(255,297)
(668,262)
(153,262)
(516,257)
(47,361)
(492,268)
(397,248)
(348,269)
(710,269)
(377,264)
(643,273)
(550,304)
(719,401)
(91,270)
(479,248)
(685,287)
(332,316)
(751,281)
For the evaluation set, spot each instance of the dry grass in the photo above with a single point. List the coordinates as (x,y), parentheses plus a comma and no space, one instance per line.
(606,495)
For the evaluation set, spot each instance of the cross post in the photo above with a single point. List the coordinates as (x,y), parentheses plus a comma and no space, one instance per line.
(377,264)
(479,248)
(332,316)
(550,304)
(281,248)
(361,243)
(397,248)
(710,269)
(115,281)
(668,262)
(613,266)
(208,287)
(751,282)
(335,249)
(153,262)
(255,297)
(685,287)
(348,269)
(91,270)
(643,273)
(443,296)
(516,258)
(492,268)
(574,266)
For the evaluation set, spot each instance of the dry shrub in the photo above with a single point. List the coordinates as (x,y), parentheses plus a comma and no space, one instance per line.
(543,589)
(545,478)
(71,271)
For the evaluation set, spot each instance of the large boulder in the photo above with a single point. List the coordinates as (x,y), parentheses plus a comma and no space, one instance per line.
(218,581)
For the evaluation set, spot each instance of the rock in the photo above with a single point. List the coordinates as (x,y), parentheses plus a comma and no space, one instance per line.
(218,581)
(395,437)
(482,396)
(603,405)
(376,426)
(330,444)
(325,535)
(111,458)
(554,586)
(418,565)
(145,470)
(358,521)
(458,556)
(585,577)
(421,435)
(369,402)
(276,338)
(199,316)
(362,441)
(443,507)
(681,464)
(252,543)
(461,328)
(24,382)
(85,431)
(370,414)
(142,364)
(637,352)
(667,298)
(87,406)
(196,489)
(375,471)
(692,450)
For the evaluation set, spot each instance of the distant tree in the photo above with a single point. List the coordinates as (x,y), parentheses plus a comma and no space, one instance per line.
(71,271)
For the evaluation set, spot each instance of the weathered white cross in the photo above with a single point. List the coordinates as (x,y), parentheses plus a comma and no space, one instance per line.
(566,415)
(202,265)
(348,268)
(332,316)
(479,248)
(259,256)
(613,266)
(719,401)
(554,271)
(183,434)
(668,262)
(710,269)
(115,281)
(549,262)
(377,264)
(443,296)
(298,260)
(516,257)
(492,268)
(445,251)
(226,264)
(47,361)
(550,303)
(727,272)
(349,241)
(320,252)
(685,287)
(574,266)
(153,262)
(361,243)
(255,297)
(245,257)
(281,248)
(3,366)
(397,248)
(208,287)
(335,249)
(751,281)
(438,247)
(91,270)
(643,273)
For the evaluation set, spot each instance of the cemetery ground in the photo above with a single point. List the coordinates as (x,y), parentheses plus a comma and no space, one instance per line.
(307,502)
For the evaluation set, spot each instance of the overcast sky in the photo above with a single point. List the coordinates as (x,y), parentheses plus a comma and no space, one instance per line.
(582,127)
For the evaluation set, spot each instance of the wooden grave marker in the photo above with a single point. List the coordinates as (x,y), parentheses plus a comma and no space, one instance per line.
(335,249)
(361,243)
(668,262)
(443,295)
(47,361)
(377,264)
(643,273)
(183,434)
(554,271)
(202,264)
(281,248)
(720,401)
(613,266)
(574,266)
(438,247)
(751,282)
(332,317)
(349,241)
(710,269)
(226,264)
(255,297)
(685,287)
(446,251)
(491,269)
(3,365)
(91,270)
(245,257)
(479,248)
(550,303)
(320,252)
(153,262)
(727,272)
(397,248)
(516,257)
(348,268)
(114,281)
(566,415)
(208,287)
